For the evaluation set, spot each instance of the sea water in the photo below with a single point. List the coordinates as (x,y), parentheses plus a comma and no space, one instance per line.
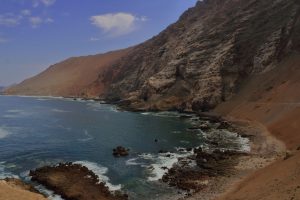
(39,131)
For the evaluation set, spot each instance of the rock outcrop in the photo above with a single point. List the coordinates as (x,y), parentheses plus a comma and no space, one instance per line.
(205,57)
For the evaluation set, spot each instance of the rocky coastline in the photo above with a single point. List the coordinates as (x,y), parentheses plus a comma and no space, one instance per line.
(190,175)
(74,182)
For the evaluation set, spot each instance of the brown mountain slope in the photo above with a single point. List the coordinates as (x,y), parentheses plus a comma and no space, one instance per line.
(202,59)
(272,99)
(72,77)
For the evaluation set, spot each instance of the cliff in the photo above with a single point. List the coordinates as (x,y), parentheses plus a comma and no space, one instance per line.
(206,57)
(198,62)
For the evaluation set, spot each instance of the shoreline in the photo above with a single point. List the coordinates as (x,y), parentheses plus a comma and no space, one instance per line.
(265,150)
(261,155)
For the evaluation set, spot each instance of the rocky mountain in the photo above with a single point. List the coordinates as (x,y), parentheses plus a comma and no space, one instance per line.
(207,55)
(202,60)
(73,77)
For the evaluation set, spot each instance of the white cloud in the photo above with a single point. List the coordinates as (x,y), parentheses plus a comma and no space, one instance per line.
(116,24)
(35,21)
(48,2)
(26,12)
(49,20)
(10,19)
(36,3)
(93,39)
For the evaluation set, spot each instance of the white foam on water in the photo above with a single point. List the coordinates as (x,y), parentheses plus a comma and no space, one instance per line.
(4,132)
(15,113)
(162,163)
(87,138)
(145,113)
(4,173)
(100,171)
(60,111)
(237,143)
(50,194)
(133,161)
(95,106)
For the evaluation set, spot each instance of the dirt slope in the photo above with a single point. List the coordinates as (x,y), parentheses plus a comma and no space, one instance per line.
(16,190)
(272,99)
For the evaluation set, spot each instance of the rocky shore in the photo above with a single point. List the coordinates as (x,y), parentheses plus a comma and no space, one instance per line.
(190,175)
(74,182)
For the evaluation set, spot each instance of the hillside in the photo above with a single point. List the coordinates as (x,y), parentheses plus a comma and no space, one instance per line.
(204,58)
(72,77)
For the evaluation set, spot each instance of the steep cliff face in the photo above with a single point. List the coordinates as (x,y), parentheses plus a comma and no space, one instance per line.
(205,57)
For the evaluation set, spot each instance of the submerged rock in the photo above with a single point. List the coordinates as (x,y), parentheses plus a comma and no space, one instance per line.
(120,151)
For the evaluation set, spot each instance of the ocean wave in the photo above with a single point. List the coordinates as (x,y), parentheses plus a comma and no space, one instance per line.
(4,132)
(50,194)
(59,110)
(4,173)
(161,163)
(16,113)
(166,114)
(227,140)
(134,161)
(87,138)
(100,171)
(95,106)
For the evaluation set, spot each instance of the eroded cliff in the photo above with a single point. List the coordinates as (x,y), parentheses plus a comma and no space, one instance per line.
(205,57)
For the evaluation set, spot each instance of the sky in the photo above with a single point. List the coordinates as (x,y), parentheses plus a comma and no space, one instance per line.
(37,33)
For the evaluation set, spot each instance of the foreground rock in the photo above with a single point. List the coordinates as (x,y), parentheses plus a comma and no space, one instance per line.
(15,189)
(74,182)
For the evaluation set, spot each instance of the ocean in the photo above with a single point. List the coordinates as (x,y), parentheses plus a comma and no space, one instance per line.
(39,131)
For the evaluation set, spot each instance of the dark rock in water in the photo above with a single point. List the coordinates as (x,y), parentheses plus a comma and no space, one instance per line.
(156,140)
(120,151)
(185,116)
(224,125)
(75,182)
(214,143)
(162,151)
(202,127)
(209,164)
(189,149)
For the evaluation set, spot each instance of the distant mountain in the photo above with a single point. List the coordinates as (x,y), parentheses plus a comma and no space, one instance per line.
(75,76)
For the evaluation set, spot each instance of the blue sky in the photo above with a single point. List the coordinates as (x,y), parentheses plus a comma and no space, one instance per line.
(37,33)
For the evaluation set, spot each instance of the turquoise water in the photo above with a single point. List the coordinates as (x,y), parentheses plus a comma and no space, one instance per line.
(40,131)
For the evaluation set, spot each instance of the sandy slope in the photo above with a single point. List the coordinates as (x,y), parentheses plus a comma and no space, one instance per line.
(14,191)
(72,77)
(272,99)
